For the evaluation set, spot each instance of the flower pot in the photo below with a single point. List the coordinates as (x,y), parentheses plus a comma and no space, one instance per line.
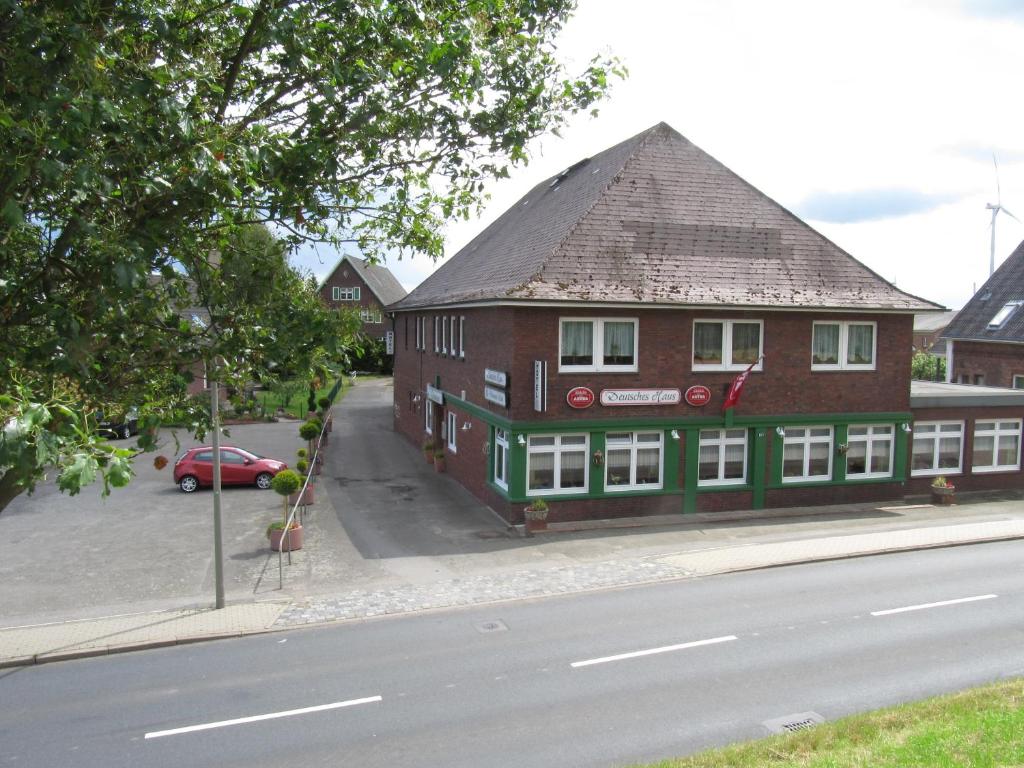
(306,497)
(317,467)
(430,456)
(532,526)
(439,464)
(943,496)
(280,543)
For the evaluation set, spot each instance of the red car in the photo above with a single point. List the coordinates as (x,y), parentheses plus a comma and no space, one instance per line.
(237,467)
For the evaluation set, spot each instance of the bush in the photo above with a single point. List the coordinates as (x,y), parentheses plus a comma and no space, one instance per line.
(324,403)
(310,430)
(286,482)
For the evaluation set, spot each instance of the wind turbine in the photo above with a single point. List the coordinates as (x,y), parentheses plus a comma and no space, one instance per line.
(995,212)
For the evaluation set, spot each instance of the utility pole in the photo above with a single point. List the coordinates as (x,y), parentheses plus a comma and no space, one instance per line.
(218,539)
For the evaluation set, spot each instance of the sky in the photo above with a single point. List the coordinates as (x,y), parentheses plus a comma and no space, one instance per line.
(875,122)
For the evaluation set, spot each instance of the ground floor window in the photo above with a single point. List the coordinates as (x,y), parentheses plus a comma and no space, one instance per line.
(428,418)
(806,454)
(937,448)
(556,463)
(453,430)
(869,451)
(723,457)
(633,460)
(501,457)
(996,445)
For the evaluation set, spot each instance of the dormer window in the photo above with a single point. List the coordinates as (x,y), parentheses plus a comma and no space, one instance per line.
(1003,315)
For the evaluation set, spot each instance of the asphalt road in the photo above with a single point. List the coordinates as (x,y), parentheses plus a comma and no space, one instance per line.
(597,679)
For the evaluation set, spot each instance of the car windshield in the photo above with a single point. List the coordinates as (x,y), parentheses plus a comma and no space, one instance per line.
(248,455)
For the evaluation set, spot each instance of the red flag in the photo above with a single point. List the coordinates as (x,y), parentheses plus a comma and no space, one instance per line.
(733,395)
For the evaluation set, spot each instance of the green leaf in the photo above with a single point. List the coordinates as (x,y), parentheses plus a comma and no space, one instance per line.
(80,472)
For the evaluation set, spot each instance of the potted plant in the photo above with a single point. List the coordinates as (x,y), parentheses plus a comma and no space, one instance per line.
(537,516)
(285,483)
(439,460)
(942,491)
(428,451)
(309,432)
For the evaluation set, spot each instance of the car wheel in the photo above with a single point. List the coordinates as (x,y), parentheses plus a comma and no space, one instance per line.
(188,483)
(263,480)
(126,432)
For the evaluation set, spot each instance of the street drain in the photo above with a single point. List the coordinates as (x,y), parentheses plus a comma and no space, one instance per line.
(793,723)
(495,625)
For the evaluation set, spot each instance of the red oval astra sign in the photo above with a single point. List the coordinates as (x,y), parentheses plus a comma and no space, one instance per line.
(698,395)
(580,397)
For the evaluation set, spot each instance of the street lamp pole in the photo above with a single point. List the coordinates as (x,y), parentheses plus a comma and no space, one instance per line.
(218,539)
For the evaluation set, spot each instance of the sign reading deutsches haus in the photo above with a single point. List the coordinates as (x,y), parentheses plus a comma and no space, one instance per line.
(640,397)
(496,396)
(497,378)
(435,395)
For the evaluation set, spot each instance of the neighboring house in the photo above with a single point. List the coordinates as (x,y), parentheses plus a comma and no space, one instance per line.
(927,329)
(579,350)
(985,341)
(370,287)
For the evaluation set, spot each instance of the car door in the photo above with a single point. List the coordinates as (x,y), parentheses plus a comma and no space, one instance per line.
(202,467)
(233,469)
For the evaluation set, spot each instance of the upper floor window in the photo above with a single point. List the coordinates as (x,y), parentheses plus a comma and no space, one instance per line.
(339,293)
(839,346)
(724,345)
(1018,381)
(462,336)
(419,333)
(437,334)
(598,344)
(869,451)
(370,316)
(996,446)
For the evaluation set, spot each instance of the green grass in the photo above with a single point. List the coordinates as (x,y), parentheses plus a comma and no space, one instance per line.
(297,406)
(982,728)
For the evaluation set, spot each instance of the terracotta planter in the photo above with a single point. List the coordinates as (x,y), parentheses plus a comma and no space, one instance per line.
(943,496)
(430,456)
(293,542)
(307,497)
(533,526)
(317,467)
(439,464)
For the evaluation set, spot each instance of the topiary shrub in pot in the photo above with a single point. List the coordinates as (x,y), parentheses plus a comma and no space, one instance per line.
(285,483)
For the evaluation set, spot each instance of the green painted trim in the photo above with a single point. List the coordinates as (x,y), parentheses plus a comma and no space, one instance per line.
(481,413)
(841,437)
(597,443)
(757,466)
(777,455)
(899,460)
(516,467)
(670,460)
(691,466)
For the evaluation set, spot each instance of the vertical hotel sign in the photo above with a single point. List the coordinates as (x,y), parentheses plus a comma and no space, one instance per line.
(540,386)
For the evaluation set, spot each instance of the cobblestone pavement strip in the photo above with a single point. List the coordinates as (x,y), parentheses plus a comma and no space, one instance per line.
(476,590)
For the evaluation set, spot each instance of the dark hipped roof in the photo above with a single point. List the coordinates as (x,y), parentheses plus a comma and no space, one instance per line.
(376,276)
(656,220)
(1004,286)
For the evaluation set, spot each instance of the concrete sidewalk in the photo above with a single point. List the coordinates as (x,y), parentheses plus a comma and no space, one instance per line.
(694,548)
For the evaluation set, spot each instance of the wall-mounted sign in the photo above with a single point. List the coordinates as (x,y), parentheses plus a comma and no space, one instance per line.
(640,397)
(698,395)
(580,397)
(540,386)
(497,378)
(496,396)
(435,395)
(389,342)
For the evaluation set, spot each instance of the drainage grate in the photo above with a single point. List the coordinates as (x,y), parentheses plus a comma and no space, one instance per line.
(495,625)
(793,723)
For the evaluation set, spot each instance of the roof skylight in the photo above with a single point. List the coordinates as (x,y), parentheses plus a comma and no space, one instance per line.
(1003,314)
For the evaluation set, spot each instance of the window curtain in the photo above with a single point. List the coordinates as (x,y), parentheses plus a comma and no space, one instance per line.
(858,350)
(746,343)
(648,466)
(618,343)
(707,343)
(577,343)
(825,347)
(573,466)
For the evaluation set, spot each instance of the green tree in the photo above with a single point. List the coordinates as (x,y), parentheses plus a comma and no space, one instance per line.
(927,367)
(140,140)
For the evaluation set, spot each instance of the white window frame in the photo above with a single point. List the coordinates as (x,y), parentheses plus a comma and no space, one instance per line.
(453,428)
(633,447)
(807,440)
(370,316)
(721,441)
(335,293)
(500,448)
(1002,428)
(557,450)
(452,324)
(727,363)
(597,344)
(462,336)
(870,439)
(935,438)
(1017,377)
(346,293)
(437,336)
(419,332)
(428,416)
(844,343)
(444,335)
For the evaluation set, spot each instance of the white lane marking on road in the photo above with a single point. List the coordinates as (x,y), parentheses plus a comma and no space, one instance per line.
(652,651)
(257,718)
(933,605)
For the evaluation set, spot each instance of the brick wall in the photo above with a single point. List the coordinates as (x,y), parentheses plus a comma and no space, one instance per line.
(998,363)
(346,276)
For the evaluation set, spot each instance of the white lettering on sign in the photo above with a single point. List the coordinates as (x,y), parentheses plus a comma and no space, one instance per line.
(496,396)
(497,378)
(540,386)
(389,342)
(435,395)
(640,397)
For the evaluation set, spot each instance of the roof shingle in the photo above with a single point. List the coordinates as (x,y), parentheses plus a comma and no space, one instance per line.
(1005,285)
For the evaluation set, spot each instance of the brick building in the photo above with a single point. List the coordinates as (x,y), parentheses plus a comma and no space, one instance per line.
(985,341)
(370,287)
(579,350)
